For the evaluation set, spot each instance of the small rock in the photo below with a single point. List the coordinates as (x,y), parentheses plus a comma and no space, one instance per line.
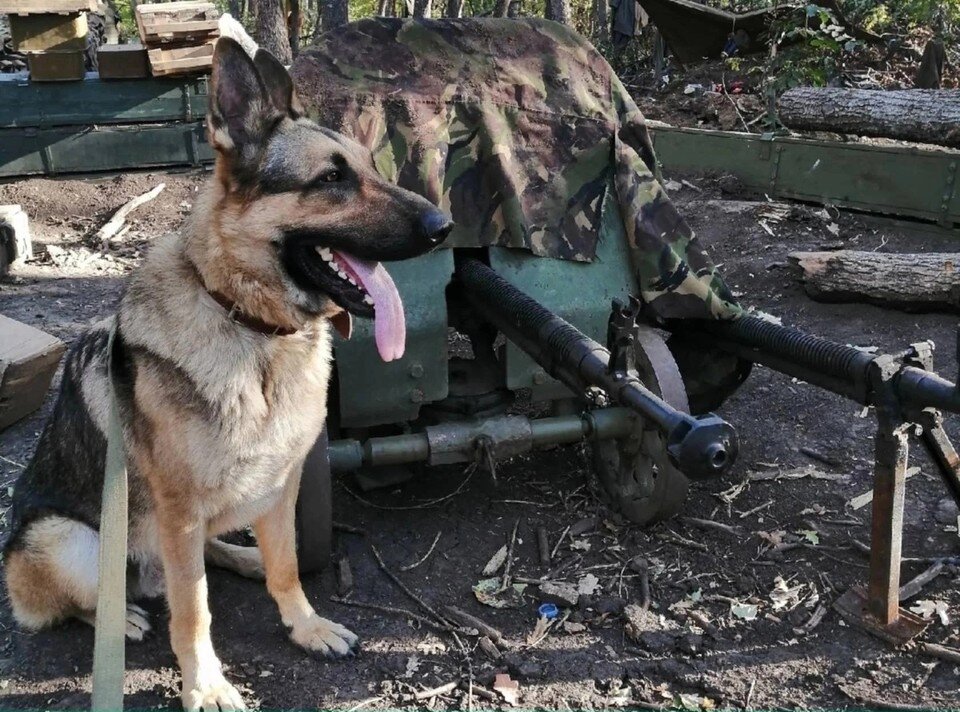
(523,667)
(606,671)
(560,594)
(692,644)
(656,641)
(609,605)
(946,511)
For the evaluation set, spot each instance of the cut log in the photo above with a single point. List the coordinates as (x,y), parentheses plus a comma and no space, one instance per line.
(921,115)
(913,282)
(28,360)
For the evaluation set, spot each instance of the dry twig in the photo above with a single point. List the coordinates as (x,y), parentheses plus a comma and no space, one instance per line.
(411,567)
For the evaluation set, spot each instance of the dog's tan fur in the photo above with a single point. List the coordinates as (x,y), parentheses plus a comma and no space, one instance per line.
(219,417)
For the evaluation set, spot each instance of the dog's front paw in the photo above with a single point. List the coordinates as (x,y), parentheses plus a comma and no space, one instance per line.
(138,622)
(210,695)
(318,635)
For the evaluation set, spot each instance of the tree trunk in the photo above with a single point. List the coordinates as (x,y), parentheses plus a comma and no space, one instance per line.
(233,7)
(930,74)
(557,10)
(294,21)
(334,13)
(385,9)
(917,282)
(454,8)
(272,29)
(501,8)
(422,8)
(602,18)
(922,115)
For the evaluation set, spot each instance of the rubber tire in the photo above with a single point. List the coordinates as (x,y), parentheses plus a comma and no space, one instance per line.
(314,513)
(618,479)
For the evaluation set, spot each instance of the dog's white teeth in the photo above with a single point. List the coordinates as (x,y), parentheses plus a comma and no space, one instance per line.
(325,254)
(367,299)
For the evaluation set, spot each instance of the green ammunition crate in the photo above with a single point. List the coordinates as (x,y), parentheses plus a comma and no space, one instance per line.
(55,66)
(127,61)
(39,33)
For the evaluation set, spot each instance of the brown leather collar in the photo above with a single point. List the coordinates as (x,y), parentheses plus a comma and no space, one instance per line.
(238,315)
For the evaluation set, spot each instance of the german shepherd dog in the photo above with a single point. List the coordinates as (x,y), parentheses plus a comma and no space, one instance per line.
(221,364)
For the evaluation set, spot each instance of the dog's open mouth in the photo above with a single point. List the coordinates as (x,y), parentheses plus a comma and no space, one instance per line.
(365,289)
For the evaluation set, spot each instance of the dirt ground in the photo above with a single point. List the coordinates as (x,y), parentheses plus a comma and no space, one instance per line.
(786,555)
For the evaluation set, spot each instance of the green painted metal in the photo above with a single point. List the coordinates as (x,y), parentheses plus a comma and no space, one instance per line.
(892,180)
(34,151)
(348,455)
(373,392)
(94,101)
(577,291)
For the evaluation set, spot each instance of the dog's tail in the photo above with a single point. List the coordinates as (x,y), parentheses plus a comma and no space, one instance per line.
(230,27)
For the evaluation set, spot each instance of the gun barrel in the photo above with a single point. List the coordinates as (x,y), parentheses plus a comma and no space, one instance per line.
(701,447)
(836,367)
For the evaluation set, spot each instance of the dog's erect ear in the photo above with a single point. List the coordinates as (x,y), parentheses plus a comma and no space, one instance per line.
(241,110)
(278,83)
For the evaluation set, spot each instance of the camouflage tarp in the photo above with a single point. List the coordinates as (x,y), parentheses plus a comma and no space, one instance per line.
(516,127)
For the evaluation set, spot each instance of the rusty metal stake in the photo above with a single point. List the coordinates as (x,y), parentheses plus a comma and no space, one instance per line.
(886,533)
(877,610)
(942,450)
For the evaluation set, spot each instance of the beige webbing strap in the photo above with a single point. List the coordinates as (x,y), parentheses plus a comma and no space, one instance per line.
(111,621)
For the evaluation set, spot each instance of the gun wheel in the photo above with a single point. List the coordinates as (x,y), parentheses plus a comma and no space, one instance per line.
(315,510)
(635,474)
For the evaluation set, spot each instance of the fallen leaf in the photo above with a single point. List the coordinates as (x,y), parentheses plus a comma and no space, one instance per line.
(432,647)
(744,611)
(833,229)
(571,627)
(580,545)
(496,561)
(413,665)
(588,585)
(811,535)
(783,596)
(774,538)
(489,593)
(509,689)
(928,609)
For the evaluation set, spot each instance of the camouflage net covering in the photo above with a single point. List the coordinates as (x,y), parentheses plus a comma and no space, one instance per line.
(516,127)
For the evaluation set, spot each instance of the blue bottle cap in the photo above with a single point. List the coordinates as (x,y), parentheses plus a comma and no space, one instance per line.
(548,611)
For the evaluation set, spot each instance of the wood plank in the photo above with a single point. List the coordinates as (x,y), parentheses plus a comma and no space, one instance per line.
(183,28)
(177,60)
(28,360)
(36,7)
(147,9)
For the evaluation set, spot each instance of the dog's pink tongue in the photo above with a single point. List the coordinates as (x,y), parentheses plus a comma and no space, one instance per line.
(389,326)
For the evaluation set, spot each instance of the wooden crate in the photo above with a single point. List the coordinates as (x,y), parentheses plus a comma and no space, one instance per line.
(190,21)
(42,7)
(127,61)
(37,33)
(56,66)
(181,60)
(28,360)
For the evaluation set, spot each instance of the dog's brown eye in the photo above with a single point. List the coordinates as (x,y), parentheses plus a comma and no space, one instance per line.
(331,177)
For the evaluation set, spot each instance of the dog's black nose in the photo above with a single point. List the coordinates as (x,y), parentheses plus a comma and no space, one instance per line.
(436,225)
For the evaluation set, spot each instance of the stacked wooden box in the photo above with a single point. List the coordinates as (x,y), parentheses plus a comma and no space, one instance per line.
(179,36)
(53,35)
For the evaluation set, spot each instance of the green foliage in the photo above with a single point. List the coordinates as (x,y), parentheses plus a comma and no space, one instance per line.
(903,15)
(812,54)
